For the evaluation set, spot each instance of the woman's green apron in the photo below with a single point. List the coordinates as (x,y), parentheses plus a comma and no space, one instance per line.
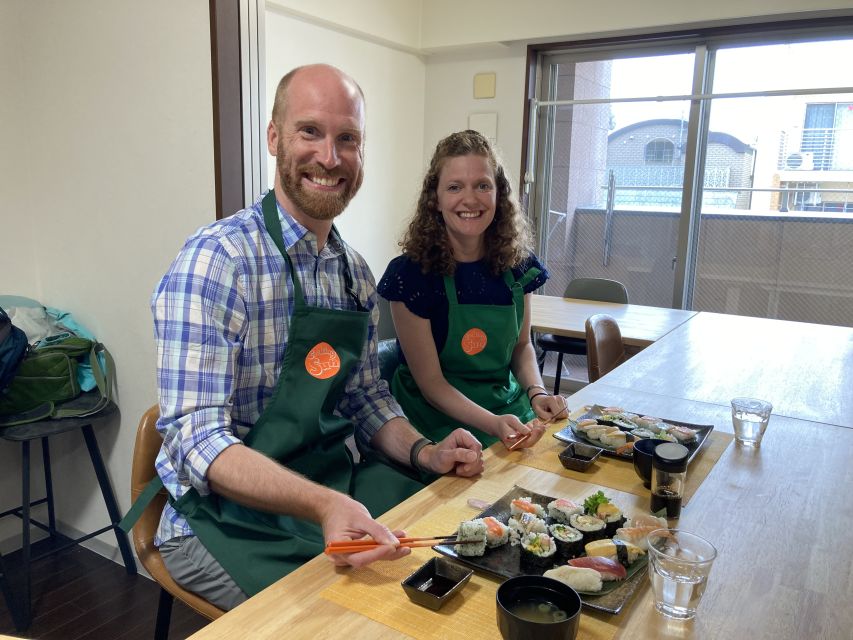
(476,360)
(298,428)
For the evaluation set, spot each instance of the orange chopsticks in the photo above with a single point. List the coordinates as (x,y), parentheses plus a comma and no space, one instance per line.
(356,546)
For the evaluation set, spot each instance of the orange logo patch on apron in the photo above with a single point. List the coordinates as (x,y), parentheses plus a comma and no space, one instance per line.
(474,341)
(322,361)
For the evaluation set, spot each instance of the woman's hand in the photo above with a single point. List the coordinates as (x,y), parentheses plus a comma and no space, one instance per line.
(550,408)
(510,430)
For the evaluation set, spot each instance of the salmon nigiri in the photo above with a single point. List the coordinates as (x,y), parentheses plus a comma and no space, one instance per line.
(609,569)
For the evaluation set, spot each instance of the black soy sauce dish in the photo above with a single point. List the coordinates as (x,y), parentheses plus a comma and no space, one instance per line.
(436,582)
(579,457)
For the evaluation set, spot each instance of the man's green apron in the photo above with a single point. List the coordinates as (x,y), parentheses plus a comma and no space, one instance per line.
(298,429)
(476,360)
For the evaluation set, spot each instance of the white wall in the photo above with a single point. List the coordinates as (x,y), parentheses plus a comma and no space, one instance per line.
(393,85)
(113,112)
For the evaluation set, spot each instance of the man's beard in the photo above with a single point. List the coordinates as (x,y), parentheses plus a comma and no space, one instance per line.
(315,204)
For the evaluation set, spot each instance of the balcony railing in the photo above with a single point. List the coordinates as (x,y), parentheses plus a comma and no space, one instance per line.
(817,149)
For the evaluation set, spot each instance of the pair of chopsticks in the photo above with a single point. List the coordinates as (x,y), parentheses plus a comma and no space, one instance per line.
(557,416)
(356,546)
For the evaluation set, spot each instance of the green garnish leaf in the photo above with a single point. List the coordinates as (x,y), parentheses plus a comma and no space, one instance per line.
(590,505)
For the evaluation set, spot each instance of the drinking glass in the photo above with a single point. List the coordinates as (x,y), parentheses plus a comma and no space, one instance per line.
(680,564)
(749,418)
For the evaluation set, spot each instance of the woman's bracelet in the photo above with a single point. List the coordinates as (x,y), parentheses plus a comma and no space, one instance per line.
(415,450)
(534,386)
(536,395)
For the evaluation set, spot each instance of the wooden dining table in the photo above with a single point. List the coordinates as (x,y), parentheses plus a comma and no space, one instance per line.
(779,516)
(640,325)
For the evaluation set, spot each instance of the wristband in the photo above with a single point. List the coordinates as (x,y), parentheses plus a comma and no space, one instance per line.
(536,395)
(415,450)
(533,386)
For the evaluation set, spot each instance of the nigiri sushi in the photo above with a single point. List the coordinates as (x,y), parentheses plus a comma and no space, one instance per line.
(647,520)
(578,578)
(624,552)
(635,535)
(607,568)
(683,434)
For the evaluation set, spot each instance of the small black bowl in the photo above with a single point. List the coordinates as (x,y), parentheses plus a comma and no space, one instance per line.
(436,582)
(578,456)
(644,449)
(525,593)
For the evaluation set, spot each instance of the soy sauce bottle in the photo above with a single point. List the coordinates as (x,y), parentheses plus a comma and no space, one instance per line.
(669,473)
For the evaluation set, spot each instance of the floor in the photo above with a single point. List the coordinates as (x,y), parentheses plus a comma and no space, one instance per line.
(78,594)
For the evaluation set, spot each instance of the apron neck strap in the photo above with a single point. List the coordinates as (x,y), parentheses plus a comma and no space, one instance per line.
(273,225)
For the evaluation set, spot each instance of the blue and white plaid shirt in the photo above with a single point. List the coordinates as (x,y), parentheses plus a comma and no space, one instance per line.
(221,319)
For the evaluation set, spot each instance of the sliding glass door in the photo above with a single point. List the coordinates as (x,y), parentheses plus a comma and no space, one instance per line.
(712,175)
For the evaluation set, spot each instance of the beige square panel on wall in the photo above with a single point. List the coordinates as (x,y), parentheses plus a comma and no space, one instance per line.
(484,85)
(485,123)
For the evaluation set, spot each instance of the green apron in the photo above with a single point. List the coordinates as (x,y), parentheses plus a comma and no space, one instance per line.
(475,360)
(298,428)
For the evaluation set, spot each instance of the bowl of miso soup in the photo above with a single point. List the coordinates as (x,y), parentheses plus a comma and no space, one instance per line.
(537,607)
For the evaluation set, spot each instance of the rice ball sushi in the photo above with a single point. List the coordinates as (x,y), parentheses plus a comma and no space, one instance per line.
(613,437)
(526,505)
(561,510)
(473,533)
(591,527)
(578,578)
(568,539)
(683,434)
(524,524)
(538,552)
(497,533)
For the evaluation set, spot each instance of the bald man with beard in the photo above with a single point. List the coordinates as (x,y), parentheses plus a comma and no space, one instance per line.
(267,361)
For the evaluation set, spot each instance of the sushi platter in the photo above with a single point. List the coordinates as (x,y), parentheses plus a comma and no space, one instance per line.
(508,560)
(631,427)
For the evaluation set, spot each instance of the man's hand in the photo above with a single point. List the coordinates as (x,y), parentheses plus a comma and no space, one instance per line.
(347,519)
(459,452)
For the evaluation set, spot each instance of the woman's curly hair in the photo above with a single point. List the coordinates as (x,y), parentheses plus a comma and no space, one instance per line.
(507,240)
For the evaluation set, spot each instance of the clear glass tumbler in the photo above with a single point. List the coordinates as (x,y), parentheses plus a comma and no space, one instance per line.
(749,419)
(679,566)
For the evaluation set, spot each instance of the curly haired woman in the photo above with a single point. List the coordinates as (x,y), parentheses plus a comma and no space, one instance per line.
(459,299)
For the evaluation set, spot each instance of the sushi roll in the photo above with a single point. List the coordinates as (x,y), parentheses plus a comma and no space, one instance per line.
(524,524)
(643,432)
(591,527)
(623,552)
(526,505)
(608,569)
(538,552)
(473,533)
(612,516)
(561,510)
(497,533)
(569,541)
(613,437)
(578,578)
(648,422)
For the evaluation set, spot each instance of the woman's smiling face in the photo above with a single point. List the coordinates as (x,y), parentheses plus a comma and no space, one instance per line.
(467,198)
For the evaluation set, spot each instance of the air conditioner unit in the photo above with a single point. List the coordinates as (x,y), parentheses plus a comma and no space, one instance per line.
(800,161)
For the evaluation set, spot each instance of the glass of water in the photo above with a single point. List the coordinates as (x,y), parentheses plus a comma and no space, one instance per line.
(680,564)
(749,418)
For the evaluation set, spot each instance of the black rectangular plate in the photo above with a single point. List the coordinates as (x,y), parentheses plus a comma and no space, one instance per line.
(569,434)
(504,561)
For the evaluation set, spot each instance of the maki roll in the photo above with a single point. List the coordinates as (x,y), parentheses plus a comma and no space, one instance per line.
(561,510)
(612,516)
(569,541)
(623,552)
(473,533)
(591,527)
(538,552)
(497,533)
(524,524)
(526,505)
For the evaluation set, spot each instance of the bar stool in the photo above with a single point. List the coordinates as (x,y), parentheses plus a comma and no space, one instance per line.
(43,429)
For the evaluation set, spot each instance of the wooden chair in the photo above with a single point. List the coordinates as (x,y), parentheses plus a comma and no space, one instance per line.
(605,350)
(145,451)
(600,289)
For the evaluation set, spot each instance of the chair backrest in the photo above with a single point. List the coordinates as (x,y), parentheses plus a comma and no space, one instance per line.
(600,289)
(385,329)
(604,348)
(388,360)
(148,442)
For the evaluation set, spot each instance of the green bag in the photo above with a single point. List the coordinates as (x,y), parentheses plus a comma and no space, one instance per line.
(46,385)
